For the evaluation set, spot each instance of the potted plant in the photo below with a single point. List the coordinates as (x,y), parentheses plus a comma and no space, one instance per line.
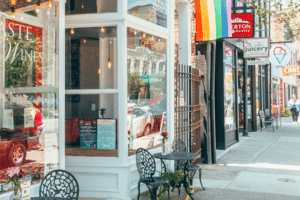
(13,176)
(176,180)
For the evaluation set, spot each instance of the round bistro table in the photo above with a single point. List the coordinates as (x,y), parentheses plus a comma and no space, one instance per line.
(178,156)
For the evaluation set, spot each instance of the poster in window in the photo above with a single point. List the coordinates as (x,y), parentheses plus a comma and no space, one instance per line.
(8,119)
(106,134)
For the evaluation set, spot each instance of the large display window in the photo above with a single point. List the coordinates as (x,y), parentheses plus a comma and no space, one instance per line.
(90,6)
(147,95)
(91,112)
(154,11)
(29,133)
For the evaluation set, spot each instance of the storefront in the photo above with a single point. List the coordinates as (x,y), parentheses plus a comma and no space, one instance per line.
(119,73)
(226,95)
(31,36)
(108,66)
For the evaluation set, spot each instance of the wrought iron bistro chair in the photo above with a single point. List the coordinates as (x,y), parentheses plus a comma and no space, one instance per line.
(179,146)
(59,183)
(268,115)
(267,122)
(146,167)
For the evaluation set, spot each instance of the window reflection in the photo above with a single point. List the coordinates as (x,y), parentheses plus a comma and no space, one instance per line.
(230,120)
(154,11)
(147,96)
(90,6)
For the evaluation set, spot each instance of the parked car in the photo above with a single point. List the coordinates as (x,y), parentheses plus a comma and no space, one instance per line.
(14,145)
(142,122)
(158,107)
(130,103)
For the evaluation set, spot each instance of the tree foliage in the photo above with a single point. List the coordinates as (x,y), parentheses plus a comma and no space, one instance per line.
(288,16)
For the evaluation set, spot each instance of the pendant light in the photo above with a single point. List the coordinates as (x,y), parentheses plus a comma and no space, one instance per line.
(13,16)
(13,2)
(109,61)
(37,9)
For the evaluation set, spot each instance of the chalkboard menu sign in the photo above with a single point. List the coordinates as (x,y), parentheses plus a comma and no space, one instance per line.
(106,134)
(88,133)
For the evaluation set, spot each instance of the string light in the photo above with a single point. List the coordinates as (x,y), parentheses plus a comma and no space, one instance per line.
(102,29)
(72,31)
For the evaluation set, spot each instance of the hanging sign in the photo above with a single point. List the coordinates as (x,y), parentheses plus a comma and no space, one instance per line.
(242,25)
(293,70)
(258,61)
(280,55)
(256,48)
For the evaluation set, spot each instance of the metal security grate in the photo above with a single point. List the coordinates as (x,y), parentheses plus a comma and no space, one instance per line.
(183,104)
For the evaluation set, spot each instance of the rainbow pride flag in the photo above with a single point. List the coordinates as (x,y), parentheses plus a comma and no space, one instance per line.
(213,19)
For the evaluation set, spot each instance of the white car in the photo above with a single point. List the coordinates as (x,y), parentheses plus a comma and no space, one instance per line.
(142,122)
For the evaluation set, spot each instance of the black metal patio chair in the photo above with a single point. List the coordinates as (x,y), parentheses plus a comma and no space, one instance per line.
(179,146)
(59,183)
(146,167)
(265,121)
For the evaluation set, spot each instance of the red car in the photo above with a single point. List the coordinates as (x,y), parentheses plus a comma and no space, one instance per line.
(14,145)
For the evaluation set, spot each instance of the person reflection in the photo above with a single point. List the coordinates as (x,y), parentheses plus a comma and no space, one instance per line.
(38,120)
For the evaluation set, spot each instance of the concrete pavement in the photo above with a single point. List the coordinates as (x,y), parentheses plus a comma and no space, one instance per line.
(265,165)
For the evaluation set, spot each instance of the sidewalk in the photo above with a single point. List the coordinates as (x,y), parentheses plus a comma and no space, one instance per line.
(265,165)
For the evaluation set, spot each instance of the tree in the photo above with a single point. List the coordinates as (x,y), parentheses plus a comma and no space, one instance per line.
(289,16)
(134,84)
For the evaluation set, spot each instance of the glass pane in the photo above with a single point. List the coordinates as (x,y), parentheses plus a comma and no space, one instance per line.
(86,118)
(228,56)
(147,83)
(230,119)
(29,91)
(90,6)
(154,11)
(91,58)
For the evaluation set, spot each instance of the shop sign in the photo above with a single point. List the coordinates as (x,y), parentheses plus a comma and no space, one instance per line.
(242,25)
(256,48)
(149,79)
(28,119)
(258,61)
(291,70)
(280,55)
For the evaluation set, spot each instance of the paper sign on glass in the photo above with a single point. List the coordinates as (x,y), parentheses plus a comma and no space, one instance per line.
(106,134)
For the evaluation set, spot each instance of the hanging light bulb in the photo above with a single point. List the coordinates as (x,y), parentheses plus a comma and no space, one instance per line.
(99,71)
(102,29)
(50,4)
(37,9)
(28,1)
(144,34)
(109,63)
(134,32)
(72,31)
(13,2)
(84,40)
(13,16)
(82,6)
